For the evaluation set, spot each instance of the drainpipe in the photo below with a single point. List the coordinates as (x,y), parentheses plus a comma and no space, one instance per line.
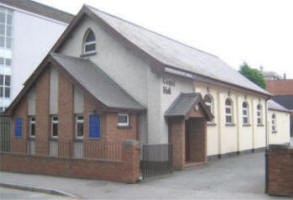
(266,123)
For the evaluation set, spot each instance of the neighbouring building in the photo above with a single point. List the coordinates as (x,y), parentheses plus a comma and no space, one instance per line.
(27,32)
(108,80)
(283,94)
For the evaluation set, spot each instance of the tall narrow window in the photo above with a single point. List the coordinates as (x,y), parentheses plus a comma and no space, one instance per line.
(79,127)
(229,107)
(54,126)
(6,28)
(274,129)
(89,45)
(245,113)
(32,127)
(259,114)
(5,86)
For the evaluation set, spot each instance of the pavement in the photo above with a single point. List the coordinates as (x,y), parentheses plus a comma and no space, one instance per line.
(6,193)
(240,177)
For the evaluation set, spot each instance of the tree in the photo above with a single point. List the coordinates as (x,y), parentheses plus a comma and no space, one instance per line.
(253,74)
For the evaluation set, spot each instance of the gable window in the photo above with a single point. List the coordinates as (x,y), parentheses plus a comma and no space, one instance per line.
(228,108)
(259,114)
(5,86)
(89,45)
(54,126)
(32,126)
(274,129)
(79,127)
(245,113)
(123,120)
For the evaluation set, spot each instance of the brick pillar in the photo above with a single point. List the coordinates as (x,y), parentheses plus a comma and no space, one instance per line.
(178,141)
(130,157)
(42,113)
(66,117)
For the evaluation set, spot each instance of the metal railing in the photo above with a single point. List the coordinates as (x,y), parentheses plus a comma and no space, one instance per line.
(92,150)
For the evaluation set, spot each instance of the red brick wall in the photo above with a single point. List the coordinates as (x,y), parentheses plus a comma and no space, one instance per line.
(280,87)
(42,113)
(177,131)
(118,134)
(280,171)
(126,170)
(19,144)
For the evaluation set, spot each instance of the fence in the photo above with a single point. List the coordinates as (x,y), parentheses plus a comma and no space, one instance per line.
(4,134)
(67,149)
(156,159)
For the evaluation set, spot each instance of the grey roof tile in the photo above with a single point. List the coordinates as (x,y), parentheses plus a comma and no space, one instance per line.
(182,104)
(40,9)
(97,82)
(285,100)
(273,105)
(176,54)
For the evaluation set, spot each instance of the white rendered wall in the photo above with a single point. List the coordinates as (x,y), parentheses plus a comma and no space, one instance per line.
(33,37)
(282,134)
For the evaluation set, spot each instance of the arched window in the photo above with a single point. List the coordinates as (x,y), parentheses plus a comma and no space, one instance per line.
(89,43)
(245,113)
(274,129)
(259,114)
(209,102)
(229,110)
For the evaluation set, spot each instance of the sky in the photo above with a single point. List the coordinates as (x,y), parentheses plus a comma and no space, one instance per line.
(258,32)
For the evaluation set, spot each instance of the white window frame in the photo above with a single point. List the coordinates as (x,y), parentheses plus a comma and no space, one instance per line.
(5,36)
(274,126)
(230,114)
(4,86)
(245,116)
(52,123)
(85,44)
(259,114)
(32,122)
(123,124)
(79,121)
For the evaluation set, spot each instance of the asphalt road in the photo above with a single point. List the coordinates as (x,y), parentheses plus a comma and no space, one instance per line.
(7,193)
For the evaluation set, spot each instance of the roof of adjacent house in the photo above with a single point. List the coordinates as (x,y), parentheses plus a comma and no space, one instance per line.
(273,105)
(285,100)
(182,105)
(97,82)
(280,87)
(175,54)
(40,9)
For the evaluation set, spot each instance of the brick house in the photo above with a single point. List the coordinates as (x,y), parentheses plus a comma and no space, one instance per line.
(109,80)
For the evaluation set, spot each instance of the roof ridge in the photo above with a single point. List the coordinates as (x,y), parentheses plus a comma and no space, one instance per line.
(154,32)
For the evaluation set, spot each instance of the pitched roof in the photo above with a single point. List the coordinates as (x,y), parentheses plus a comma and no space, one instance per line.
(97,82)
(175,54)
(273,105)
(184,103)
(285,100)
(280,87)
(40,9)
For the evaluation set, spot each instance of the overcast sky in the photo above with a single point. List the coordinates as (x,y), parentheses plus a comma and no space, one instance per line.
(259,32)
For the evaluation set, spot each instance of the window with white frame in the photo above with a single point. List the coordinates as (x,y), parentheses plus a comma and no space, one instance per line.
(228,108)
(259,114)
(2,109)
(54,126)
(245,113)
(274,129)
(89,44)
(79,126)
(5,82)
(123,119)
(5,28)
(32,126)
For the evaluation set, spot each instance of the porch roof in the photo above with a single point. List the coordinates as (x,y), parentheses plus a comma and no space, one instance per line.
(184,103)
